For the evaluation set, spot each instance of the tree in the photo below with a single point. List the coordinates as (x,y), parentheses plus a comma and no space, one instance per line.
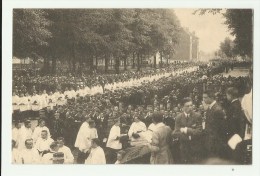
(80,37)
(227,47)
(240,24)
(30,32)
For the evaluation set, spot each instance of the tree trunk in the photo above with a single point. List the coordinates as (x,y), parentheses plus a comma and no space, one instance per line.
(46,66)
(154,61)
(80,66)
(54,64)
(74,60)
(133,65)
(96,62)
(117,65)
(91,63)
(106,63)
(125,62)
(138,61)
(161,56)
(73,66)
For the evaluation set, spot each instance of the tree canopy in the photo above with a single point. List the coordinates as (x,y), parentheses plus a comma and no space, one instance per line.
(240,25)
(82,36)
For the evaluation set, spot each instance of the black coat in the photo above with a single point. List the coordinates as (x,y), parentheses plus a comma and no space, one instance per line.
(190,143)
(236,120)
(215,132)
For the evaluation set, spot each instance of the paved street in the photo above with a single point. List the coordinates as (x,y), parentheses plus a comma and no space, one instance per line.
(237,72)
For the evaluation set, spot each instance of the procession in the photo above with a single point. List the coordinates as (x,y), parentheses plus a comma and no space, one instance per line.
(109,95)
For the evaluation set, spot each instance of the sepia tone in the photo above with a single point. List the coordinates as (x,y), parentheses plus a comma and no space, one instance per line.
(132,86)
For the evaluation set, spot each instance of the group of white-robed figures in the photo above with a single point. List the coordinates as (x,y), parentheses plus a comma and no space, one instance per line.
(138,134)
(36,146)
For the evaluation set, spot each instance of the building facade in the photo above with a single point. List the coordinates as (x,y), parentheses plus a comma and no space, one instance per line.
(187,48)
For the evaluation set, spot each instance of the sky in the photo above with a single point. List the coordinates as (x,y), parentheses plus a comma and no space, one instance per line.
(210,28)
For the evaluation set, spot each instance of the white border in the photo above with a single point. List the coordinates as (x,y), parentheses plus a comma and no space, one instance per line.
(28,170)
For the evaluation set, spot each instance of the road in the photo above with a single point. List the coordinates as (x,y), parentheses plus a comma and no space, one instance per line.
(237,72)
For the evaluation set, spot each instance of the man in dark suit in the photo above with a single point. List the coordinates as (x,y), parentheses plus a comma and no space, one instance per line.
(215,127)
(188,129)
(236,121)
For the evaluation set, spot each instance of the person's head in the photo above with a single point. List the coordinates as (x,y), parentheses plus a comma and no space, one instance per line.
(60,141)
(157,117)
(41,122)
(208,97)
(232,93)
(117,122)
(120,155)
(56,115)
(54,146)
(29,143)
(17,125)
(187,105)
(85,112)
(48,108)
(136,118)
(27,123)
(116,108)
(87,117)
(95,143)
(44,134)
(91,124)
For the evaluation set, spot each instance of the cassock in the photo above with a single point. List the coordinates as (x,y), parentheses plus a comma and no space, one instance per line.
(96,156)
(68,156)
(80,140)
(37,132)
(29,156)
(136,127)
(15,156)
(24,133)
(36,102)
(43,144)
(15,135)
(113,138)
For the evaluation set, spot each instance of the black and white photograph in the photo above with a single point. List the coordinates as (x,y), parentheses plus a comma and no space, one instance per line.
(131,86)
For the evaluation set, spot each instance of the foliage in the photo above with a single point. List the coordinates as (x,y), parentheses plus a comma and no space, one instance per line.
(227,47)
(240,24)
(77,36)
(30,32)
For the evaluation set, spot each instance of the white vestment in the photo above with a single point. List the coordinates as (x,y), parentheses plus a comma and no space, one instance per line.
(112,141)
(24,133)
(68,157)
(96,156)
(37,132)
(29,156)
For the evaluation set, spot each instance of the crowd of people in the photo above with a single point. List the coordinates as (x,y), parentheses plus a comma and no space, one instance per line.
(184,118)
